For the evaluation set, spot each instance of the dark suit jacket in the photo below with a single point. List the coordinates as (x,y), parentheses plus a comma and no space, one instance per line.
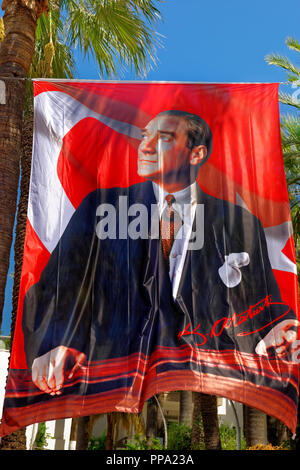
(113,297)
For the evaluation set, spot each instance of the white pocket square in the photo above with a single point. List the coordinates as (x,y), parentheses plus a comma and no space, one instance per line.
(229,272)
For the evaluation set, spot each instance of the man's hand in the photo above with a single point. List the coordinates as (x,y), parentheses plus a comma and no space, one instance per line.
(49,371)
(281,338)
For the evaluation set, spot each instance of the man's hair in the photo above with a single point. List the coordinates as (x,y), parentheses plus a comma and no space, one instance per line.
(198,131)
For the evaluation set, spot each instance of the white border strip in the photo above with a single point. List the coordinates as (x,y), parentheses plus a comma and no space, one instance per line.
(137,82)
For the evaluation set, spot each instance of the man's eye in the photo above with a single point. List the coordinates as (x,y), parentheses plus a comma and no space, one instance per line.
(165,138)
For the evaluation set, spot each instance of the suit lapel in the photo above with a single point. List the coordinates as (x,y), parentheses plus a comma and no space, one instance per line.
(155,266)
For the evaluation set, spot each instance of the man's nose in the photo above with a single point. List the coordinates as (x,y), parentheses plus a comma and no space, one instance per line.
(148,145)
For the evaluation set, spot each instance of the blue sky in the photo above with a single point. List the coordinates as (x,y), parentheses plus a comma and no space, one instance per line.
(213,41)
(220,40)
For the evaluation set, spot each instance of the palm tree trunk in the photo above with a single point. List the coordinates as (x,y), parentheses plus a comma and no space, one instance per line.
(109,432)
(10,148)
(151,421)
(276,431)
(27,139)
(18,438)
(83,433)
(209,412)
(14,441)
(186,407)
(20,20)
(254,426)
(197,438)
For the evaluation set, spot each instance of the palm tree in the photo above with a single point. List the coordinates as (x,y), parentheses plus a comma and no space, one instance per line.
(17,440)
(15,59)
(277,432)
(152,418)
(197,435)
(185,407)
(255,422)
(290,133)
(114,32)
(63,67)
(205,425)
(133,424)
(290,136)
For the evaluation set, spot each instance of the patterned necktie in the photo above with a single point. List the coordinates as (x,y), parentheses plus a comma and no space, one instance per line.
(170,223)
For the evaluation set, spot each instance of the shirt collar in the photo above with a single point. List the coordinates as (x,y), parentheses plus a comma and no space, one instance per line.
(184,197)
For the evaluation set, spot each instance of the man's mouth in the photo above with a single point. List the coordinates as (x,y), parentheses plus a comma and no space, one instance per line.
(144,160)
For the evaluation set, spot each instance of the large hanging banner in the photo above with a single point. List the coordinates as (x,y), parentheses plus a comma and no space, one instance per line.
(159,252)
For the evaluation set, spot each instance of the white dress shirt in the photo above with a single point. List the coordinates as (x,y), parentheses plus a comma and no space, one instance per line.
(185,204)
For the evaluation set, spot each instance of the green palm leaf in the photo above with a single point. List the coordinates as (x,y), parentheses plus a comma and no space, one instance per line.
(292,43)
(290,134)
(288,99)
(283,62)
(117,34)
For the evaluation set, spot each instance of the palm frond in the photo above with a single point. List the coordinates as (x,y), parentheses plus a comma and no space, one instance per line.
(284,63)
(117,34)
(293,180)
(292,43)
(290,120)
(291,100)
(147,8)
(290,135)
(291,155)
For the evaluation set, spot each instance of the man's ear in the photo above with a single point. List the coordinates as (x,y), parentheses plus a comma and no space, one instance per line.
(198,154)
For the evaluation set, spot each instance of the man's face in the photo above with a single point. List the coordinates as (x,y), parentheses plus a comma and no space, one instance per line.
(163,154)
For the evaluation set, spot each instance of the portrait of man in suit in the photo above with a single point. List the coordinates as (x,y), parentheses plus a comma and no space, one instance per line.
(113,286)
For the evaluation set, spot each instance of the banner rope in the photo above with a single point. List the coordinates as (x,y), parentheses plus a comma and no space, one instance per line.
(137,81)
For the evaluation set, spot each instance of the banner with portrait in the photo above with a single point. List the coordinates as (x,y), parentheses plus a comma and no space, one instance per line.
(158,254)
